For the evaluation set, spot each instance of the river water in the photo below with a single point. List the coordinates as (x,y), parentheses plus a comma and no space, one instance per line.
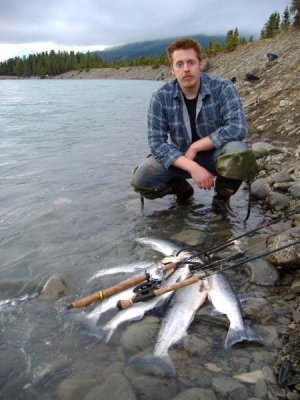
(68,149)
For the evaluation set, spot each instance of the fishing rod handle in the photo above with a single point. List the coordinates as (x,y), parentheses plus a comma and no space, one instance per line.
(103,294)
(123,304)
(176,286)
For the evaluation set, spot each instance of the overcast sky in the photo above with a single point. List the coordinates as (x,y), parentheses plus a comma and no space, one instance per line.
(30,26)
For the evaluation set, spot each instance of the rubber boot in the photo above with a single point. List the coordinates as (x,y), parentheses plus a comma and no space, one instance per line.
(183,190)
(224,189)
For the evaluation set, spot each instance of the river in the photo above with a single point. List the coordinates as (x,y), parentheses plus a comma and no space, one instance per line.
(68,149)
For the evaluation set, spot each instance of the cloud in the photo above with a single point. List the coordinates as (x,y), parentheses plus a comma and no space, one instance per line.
(87,23)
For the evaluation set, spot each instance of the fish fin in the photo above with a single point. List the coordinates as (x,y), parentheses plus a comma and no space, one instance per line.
(248,334)
(109,335)
(159,366)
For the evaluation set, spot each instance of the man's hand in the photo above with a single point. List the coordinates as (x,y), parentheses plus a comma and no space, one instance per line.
(203,178)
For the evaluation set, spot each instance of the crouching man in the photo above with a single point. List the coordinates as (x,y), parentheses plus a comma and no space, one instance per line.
(194,123)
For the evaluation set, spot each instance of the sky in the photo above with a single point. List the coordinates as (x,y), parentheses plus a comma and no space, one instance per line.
(32,26)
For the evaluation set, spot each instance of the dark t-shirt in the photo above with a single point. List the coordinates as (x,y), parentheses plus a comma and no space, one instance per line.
(191,105)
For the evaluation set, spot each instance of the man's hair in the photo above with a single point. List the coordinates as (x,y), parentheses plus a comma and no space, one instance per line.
(184,44)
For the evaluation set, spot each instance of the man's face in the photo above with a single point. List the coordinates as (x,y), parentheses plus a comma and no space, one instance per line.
(186,67)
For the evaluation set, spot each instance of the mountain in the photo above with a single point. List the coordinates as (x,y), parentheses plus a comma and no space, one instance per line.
(149,48)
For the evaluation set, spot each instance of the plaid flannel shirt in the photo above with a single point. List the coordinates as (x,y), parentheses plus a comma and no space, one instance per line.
(219,115)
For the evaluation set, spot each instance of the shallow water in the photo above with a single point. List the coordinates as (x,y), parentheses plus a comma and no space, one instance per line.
(68,149)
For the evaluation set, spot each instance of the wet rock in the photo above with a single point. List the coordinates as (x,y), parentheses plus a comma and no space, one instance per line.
(268,332)
(277,201)
(194,375)
(75,387)
(249,377)
(212,367)
(260,189)
(224,385)
(149,388)
(196,345)
(260,389)
(253,306)
(196,394)
(289,256)
(191,237)
(295,190)
(139,336)
(263,272)
(55,287)
(116,387)
(239,394)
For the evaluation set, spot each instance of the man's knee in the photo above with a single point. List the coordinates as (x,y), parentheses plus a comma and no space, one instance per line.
(149,179)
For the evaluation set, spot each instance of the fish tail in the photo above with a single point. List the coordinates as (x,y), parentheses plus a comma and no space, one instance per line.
(247,333)
(160,366)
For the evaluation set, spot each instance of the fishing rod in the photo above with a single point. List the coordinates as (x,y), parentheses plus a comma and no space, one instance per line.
(144,281)
(102,294)
(230,241)
(204,272)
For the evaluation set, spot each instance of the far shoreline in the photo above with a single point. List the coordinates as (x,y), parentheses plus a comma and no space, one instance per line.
(145,72)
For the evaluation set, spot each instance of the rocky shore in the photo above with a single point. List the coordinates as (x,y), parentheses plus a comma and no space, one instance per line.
(272,371)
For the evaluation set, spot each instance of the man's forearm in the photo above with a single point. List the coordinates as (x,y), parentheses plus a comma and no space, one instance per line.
(204,144)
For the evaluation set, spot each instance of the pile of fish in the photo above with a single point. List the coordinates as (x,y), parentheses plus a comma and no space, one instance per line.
(181,309)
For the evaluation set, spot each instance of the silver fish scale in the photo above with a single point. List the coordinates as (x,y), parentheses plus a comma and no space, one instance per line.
(185,303)
(138,310)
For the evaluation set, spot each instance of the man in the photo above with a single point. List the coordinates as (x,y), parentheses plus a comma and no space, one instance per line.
(192,122)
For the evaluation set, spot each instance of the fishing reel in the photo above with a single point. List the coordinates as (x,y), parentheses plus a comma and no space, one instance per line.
(153,281)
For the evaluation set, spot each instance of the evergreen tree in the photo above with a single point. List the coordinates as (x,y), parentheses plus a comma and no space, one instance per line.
(232,39)
(271,27)
(286,22)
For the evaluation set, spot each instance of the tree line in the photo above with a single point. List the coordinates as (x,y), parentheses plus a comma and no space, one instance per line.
(54,63)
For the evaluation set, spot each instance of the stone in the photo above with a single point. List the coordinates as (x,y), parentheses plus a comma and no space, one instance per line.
(149,388)
(196,394)
(294,190)
(296,220)
(191,237)
(260,189)
(279,177)
(262,149)
(260,389)
(277,201)
(139,336)
(263,272)
(116,387)
(296,286)
(284,103)
(55,287)
(289,256)
(212,367)
(74,387)
(224,385)
(249,377)
(196,345)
